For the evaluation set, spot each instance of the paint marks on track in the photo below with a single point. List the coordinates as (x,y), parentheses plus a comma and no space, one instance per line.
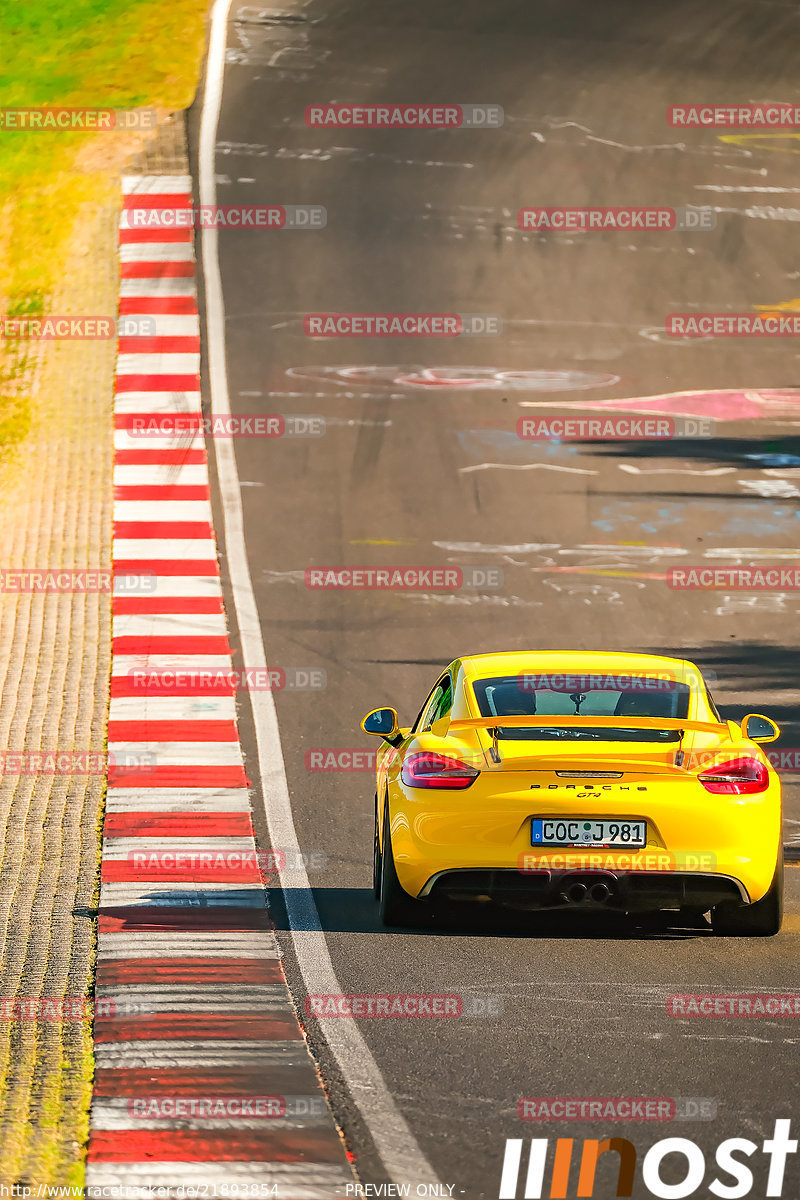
(588,593)
(469,600)
(770,489)
(632,469)
(501,549)
(603,573)
(747,518)
(536,466)
(341,155)
(505,444)
(192,1002)
(462,379)
(723,405)
(785,143)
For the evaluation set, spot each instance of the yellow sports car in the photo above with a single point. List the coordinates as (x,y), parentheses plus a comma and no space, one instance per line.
(551,780)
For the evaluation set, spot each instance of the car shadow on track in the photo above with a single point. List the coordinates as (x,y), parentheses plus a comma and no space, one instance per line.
(775,450)
(353,910)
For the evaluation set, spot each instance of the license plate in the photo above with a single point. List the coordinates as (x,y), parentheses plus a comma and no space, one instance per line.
(585,831)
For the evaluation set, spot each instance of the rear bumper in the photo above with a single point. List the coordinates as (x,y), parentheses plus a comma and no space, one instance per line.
(632,891)
(730,838)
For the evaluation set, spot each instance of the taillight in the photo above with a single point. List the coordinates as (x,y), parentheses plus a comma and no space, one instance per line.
(426,770)
(739,777)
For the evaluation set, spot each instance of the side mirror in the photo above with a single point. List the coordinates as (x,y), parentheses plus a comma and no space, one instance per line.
(383,723)
(760,729)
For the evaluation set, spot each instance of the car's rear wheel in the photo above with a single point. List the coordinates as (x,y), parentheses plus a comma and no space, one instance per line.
(762,919)
(395,905)
(376,858)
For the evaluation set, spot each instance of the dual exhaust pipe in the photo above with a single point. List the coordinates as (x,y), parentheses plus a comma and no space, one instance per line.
(580,893)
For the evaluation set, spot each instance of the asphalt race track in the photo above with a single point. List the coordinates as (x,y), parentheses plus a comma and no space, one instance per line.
(421,464)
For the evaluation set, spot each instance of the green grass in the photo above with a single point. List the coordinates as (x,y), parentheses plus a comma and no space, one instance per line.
(92,50)
(15,408)
(62,53)
(87,53)
(15,422)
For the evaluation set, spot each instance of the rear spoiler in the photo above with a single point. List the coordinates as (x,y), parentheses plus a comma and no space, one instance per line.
(721,730)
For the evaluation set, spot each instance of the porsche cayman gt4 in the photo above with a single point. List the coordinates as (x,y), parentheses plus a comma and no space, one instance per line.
(543,780)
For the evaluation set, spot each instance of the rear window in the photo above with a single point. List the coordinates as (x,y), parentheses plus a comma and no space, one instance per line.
(583,696)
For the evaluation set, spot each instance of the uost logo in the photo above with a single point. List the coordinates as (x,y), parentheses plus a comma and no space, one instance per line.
(693,1165)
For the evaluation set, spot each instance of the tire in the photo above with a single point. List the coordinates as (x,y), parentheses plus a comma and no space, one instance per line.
(762,919)
(376,858)
(395,905)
